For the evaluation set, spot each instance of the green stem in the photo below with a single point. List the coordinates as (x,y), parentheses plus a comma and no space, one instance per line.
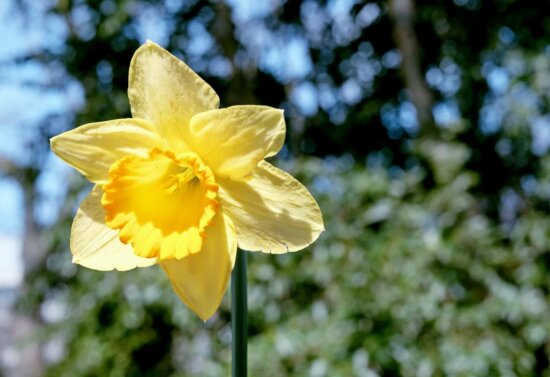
(239,314)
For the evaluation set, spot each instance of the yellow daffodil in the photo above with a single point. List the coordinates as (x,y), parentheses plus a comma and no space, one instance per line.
(182,183)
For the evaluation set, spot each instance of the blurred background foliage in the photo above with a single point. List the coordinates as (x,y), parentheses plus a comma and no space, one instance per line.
(423,130)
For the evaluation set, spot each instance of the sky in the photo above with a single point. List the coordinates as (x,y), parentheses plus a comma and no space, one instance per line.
(11,269)
(22,106)
(17,124)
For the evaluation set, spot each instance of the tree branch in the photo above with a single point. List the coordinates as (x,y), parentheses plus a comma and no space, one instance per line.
(402,14)
(8,168)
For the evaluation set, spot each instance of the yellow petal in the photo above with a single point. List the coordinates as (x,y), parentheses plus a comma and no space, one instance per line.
(91,149)
(232,141)
(201,279)
(272,211)
(161,204)
(165,91)
(95,245)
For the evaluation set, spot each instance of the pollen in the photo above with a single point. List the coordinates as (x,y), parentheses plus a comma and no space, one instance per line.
(161,204)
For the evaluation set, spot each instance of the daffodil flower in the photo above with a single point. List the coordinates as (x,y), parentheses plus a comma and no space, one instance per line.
(182,183)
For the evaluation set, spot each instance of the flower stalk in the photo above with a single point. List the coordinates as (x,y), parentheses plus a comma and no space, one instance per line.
(239,315)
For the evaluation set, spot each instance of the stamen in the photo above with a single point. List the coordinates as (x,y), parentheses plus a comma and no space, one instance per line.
(177,181)
(161,204)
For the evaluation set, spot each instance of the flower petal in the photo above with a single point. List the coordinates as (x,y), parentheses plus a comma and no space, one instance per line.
(91,149)
(95,245)
(272,211)
(201,279)
(165,91)
(161,204)
(233,141)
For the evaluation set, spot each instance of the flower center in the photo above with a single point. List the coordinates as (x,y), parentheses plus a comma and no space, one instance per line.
(161,204)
